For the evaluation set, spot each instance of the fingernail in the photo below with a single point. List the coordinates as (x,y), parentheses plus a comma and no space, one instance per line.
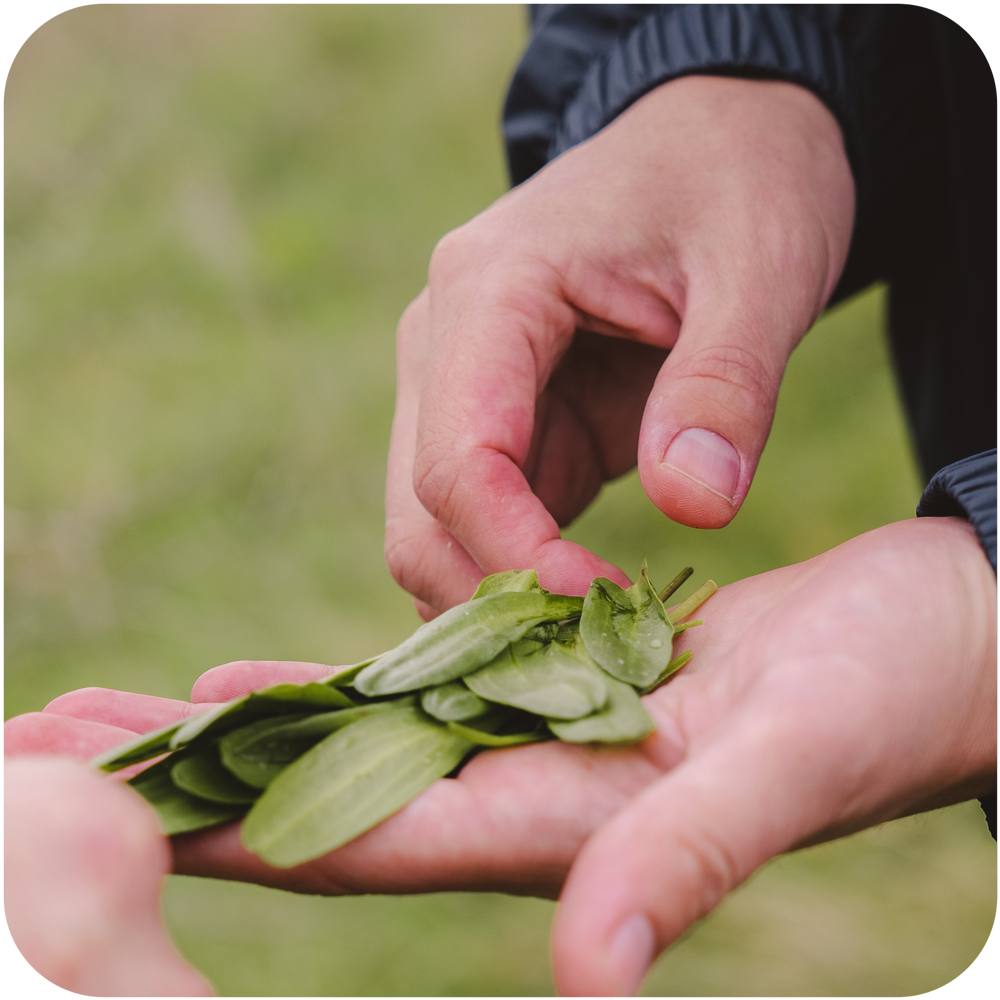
(706,458)
(632,952)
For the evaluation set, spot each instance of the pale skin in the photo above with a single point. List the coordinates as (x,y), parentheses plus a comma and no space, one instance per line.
(84,862)
(712,218)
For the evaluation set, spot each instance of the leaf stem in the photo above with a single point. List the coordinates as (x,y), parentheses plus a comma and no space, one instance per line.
(676,583)
(671,668)
(695,601)
(686,625)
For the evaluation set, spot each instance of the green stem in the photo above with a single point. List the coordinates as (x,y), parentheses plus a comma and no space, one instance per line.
(686,625)
(676,583)
(671,668)
(695,601)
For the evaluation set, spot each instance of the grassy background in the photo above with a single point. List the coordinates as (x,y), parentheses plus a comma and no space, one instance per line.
(214,217)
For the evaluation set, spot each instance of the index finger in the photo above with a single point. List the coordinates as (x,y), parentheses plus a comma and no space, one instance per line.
(490,358)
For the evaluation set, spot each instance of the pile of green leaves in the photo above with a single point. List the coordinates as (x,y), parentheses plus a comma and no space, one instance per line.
(313,766)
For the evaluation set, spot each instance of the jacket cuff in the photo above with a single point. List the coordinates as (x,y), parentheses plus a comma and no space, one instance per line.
(755,41)
(967,489)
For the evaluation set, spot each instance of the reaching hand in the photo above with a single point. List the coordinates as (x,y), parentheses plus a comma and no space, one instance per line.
(84,862)
(823,697)
(710,220)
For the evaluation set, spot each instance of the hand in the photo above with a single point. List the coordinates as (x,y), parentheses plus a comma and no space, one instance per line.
(822,698)
(711,220)
(84,862)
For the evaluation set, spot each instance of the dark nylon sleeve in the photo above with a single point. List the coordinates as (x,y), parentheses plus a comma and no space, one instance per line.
(969,489)
(586,64)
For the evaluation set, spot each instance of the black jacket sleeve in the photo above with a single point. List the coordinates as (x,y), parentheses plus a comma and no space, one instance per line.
(969,489)
(586,64)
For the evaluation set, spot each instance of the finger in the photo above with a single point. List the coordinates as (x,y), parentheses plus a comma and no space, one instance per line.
(425,610)
(233,680)
(494,350)
(709,415)
(424,559)
(48,733)
(140,713)
(673,852)
(84,867)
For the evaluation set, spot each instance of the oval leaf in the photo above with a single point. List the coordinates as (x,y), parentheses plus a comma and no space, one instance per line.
(142,748)
(513,581)
(452,702)
(276,700)
(622,720)
(176,810)
(258,753)
(203,774)
(462,640)
(345,785)
(544,678)
(627,632)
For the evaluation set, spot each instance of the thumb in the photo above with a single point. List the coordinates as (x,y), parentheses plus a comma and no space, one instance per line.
(664,862)
(709,415)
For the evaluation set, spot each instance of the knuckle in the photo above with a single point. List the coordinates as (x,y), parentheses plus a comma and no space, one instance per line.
(739,369)
(406,555)
(413,315)
(467,250)
(435,478)
(451,254)
(712,866)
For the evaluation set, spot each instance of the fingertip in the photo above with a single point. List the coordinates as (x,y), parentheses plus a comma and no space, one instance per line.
(565,567)
(240,677)
(631,953)
(684,499)
(426,612)
(49,734)
(706,458)
(615,966)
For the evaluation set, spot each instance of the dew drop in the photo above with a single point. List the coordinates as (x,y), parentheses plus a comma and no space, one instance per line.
(656,643)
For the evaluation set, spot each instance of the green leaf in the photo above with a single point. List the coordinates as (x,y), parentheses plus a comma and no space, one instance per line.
(494,739)
(345,675)
(544,678)
(259,752)
(622,720)
(513,581)
(461,640)
(627,632)
(244,756)
(178,811)
(142,748)
(345,785)
(545,632)
(204,775)
(276,700)
(452,702)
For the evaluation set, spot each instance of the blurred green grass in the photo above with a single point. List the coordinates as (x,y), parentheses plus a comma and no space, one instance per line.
(214,216)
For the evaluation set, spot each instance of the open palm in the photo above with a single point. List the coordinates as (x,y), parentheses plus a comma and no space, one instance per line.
(823,697)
